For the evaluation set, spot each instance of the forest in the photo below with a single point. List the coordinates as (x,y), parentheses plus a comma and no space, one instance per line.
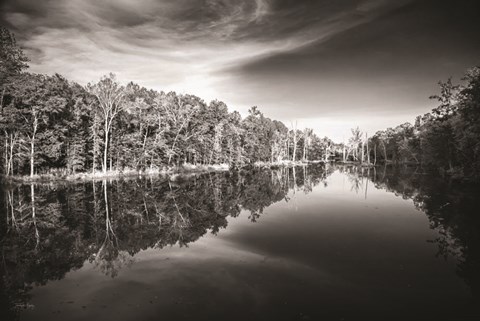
(50,125)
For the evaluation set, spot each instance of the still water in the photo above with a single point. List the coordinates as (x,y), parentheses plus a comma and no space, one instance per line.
(305,243)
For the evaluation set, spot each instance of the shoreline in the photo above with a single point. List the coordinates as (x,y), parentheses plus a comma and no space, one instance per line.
(185,169)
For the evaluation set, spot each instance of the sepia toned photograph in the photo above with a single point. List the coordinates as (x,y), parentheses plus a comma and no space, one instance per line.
(239,160)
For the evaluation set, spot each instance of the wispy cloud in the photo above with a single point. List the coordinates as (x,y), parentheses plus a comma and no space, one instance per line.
(174,45)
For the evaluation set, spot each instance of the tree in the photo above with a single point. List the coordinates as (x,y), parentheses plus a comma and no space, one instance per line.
(258,136)
(295,136)
(38,99)
(307,139)
(354,143)
(81,124)
(179,111)
(467,124)
(437,137)
(110,102)
(12,60)
(11,122)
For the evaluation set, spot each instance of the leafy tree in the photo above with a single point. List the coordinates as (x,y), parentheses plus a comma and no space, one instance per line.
(12,60)
(467,125)
(39,100)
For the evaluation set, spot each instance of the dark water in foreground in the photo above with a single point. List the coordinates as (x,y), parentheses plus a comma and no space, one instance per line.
(304,244)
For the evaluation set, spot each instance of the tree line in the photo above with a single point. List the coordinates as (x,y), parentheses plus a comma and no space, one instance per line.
(52,125)
(445,139)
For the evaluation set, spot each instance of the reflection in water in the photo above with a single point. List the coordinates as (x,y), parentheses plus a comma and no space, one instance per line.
(452,210)
(107,223)
(49,230)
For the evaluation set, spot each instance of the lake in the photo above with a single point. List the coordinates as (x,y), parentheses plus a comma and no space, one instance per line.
(304,243)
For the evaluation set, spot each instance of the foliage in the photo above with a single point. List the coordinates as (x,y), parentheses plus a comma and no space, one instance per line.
(445,140)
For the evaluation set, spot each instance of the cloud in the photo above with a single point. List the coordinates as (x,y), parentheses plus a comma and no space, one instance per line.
(166,44)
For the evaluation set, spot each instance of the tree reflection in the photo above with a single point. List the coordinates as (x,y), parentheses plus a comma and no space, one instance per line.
(108,258)
(49,230)
(451,208)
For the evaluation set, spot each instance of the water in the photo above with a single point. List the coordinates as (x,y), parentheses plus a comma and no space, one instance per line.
(341,243)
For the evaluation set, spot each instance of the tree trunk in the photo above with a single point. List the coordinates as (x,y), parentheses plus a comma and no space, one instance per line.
(105,149)
(294,146)
(32,147)
(32,197)
(287,144)
(10,161)
(94,145)
(294,132)
(6,170)
(143,148)
(1,99)
(363,152)
(32,158)
(271,154)
(112,150)
(304,149)
(176,137)
(368,151)
(385,152)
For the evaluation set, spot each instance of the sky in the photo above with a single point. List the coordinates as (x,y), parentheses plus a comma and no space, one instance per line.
(330,65)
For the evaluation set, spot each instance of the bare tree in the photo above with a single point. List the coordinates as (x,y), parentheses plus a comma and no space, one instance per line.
(307,139)
(179,112)
(10,141)
(355,141)
(111,101)
(368,151)
(32,141)
(295,140)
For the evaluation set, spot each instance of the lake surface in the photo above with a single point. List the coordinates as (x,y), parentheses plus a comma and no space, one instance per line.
(309,243)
